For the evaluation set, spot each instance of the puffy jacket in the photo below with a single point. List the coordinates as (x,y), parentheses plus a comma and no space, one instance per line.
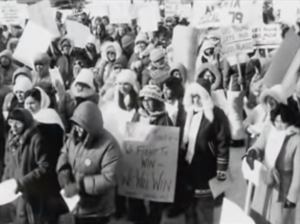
(92,162)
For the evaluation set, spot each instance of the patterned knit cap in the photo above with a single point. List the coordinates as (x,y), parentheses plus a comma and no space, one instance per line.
(153,92)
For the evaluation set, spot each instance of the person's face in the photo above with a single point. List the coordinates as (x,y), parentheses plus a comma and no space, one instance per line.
(279,124)
(13,47)
(20,96)
(81,87)
(98,29)
(159,62)
(121,30)
(16,127)
(141,46)
(111,56)
(209,76)
(176,74)
(32,105)
(196,100)
(40,68)
(105,21)
(124,88)
(148,104)
(66,49)
(271,103)
(82,17)
(79,131)
(5,61)
(76,69)
(168,93)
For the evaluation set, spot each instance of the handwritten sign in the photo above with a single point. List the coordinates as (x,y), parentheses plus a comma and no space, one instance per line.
(218,13)
(172,7)
(149,162)
(30,44)
(12,13)
(267,36)
(236,40)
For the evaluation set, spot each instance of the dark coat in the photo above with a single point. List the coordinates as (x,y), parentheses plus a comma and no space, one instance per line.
(211,150)
(92,162)
(28,163)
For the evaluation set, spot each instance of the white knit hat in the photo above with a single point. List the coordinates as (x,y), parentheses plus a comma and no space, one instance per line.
(128,76)
(22,84)
(86,76)
(152,91)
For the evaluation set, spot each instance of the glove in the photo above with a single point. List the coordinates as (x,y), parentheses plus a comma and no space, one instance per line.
(251,157)
(289,204)
(71,190)
(65,177)
(221,175)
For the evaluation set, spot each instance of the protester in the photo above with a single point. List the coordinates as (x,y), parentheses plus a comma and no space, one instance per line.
(4,91)
(26,162)
(83,89)
(207,141)
(42,69)
(2,143)
(179,71)
(7,67)
(278,149)
(92,175)
(128,43)
(152,111)
(90,53)
(16,98)
(12,44)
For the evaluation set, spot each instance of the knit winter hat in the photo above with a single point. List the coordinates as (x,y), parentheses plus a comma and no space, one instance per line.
(128,76)
(158,76)
(86,76)
(153,92)
(22,115)
(141,37)
(156,54)
(127,40)
(22,84)
(205,84)
(23,71)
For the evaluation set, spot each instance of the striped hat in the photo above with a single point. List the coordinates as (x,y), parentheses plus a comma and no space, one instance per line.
(153,92)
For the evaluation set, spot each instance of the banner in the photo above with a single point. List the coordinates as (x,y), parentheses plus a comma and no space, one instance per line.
(236,40)
(13,13)
(216,13)
(149,165)
(35,39)
(267,36)
(42,14)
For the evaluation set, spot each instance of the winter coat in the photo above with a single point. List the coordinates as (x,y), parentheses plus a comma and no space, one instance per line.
(211,150)
(282,181)
(7,73)
(92,162)
(4,91)
(27,161)
(67,106)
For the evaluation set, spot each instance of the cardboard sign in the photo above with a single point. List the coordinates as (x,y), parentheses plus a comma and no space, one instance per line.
(148,170)
(77,32)
(42,14)
(267,36)
(236,40)
(13,13)
(172,7)
(185,52)
(218,13)
(97,8)
(148,17)
(35,39)
(283,59)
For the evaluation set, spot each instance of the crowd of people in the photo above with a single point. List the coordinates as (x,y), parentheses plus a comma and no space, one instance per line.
(66,135)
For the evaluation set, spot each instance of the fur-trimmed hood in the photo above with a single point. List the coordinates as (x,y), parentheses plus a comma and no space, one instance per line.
(214,70)
(276,92)
(65,39)
(107,46)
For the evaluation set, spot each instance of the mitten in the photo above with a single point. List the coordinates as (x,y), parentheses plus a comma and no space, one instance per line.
(221,175)
(289,204)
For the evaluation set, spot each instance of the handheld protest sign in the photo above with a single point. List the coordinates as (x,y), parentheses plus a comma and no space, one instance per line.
(267,36)
(78,32)
(30,44)
(185,46)
(286,56)
(148,17)
(148,170)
